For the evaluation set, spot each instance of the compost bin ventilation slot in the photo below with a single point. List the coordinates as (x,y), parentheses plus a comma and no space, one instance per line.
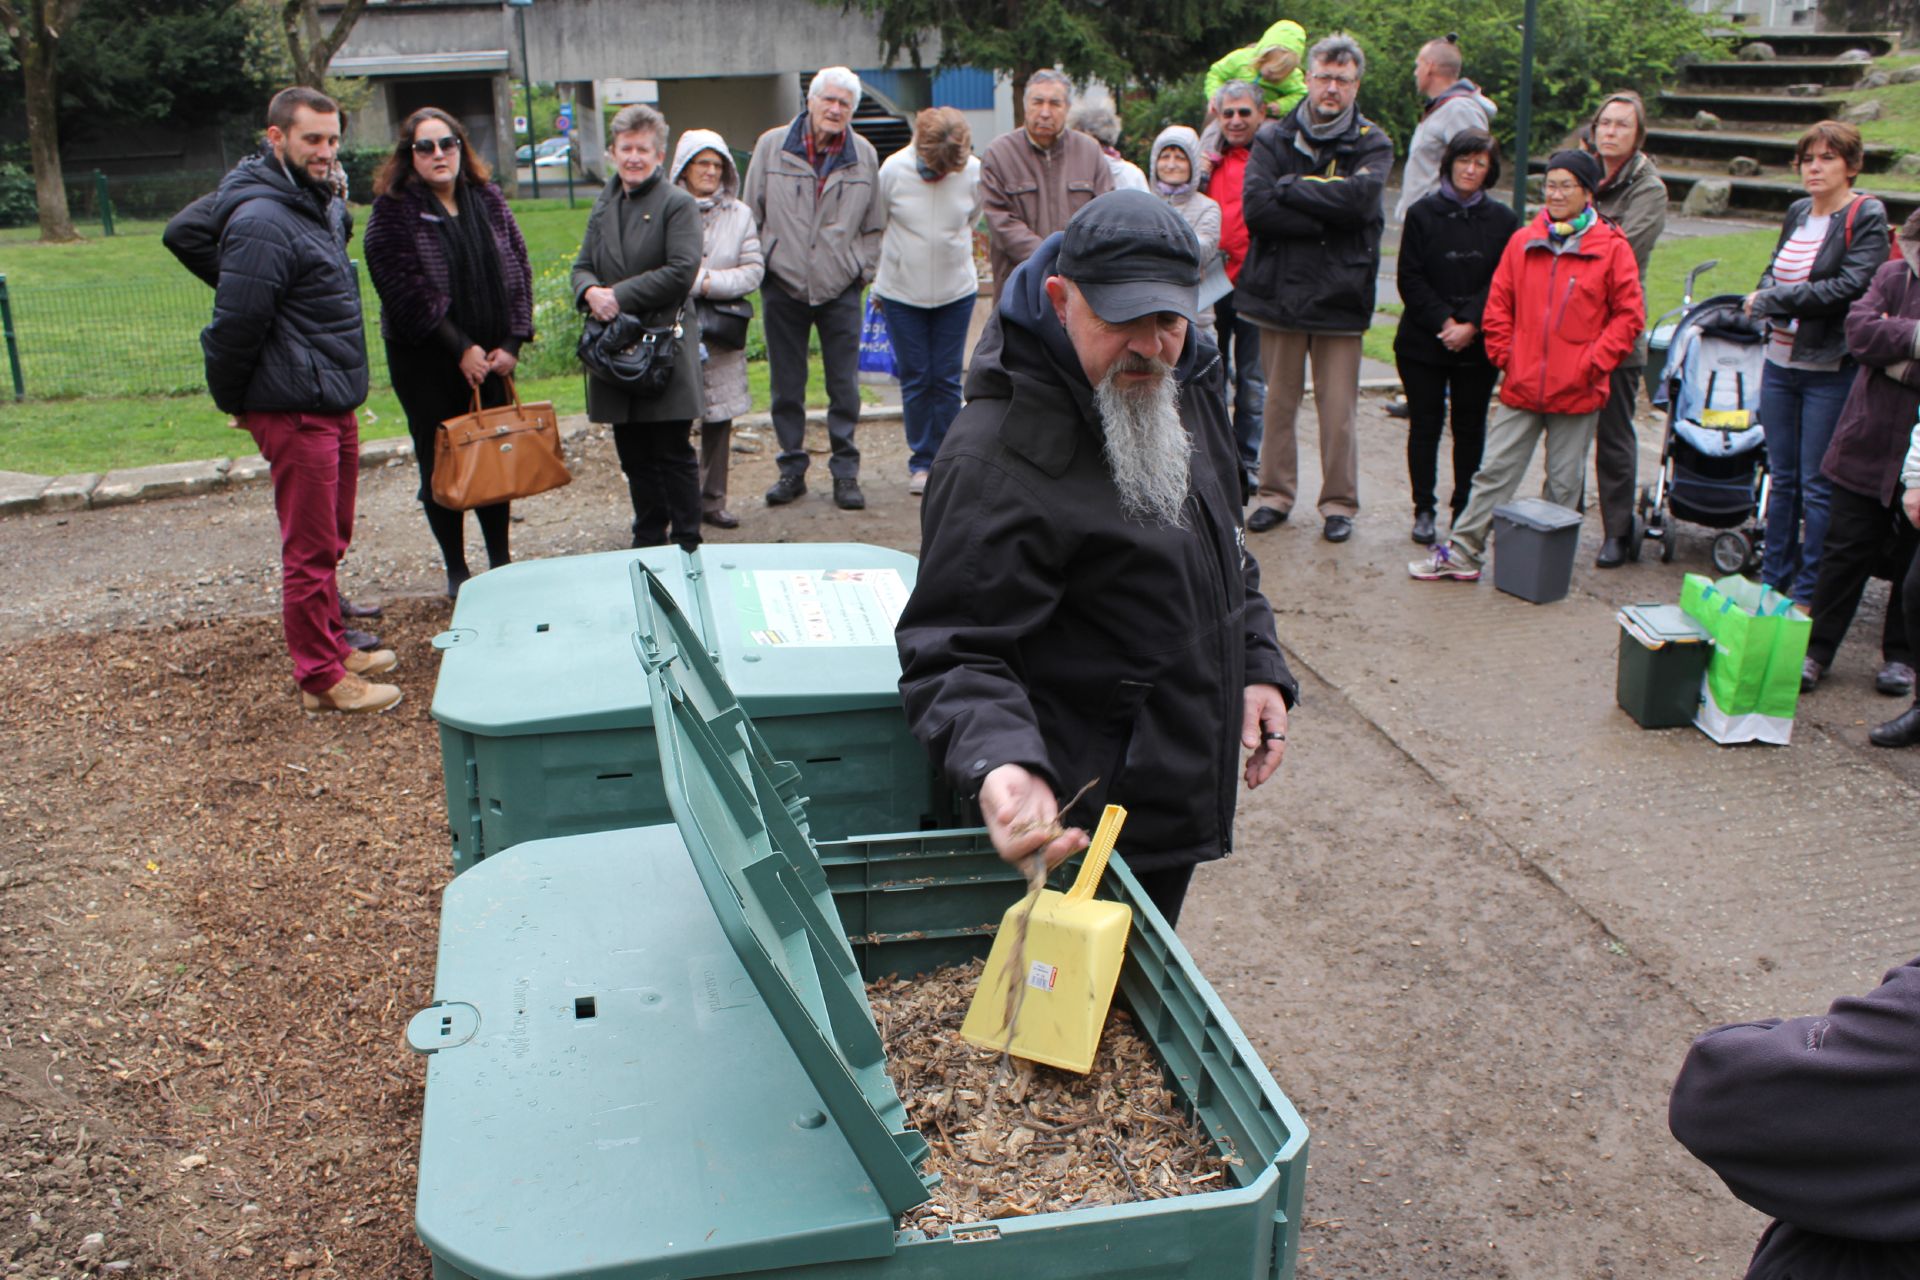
(583,1007)
(542,626)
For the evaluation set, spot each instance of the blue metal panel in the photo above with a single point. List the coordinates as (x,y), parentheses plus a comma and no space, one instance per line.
(964,88)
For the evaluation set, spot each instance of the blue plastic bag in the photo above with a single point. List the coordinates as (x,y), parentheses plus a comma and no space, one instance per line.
(876,347)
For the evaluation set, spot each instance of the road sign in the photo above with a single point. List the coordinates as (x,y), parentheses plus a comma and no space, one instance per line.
(562,123)
(519,124)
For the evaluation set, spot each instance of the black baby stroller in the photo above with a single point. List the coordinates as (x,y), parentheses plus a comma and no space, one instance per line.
(1713,460)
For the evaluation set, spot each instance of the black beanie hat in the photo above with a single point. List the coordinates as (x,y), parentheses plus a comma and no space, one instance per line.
(1584,168)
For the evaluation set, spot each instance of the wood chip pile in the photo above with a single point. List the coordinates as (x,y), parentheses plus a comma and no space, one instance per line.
(1012,1138)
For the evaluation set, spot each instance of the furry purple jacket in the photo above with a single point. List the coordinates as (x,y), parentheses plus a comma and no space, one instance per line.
(409,268)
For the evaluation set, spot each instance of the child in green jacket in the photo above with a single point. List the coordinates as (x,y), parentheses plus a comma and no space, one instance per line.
(1271,64)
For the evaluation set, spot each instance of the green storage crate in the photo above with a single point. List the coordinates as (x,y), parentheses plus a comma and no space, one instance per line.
(1663,662)
(651,1055)
(544,731)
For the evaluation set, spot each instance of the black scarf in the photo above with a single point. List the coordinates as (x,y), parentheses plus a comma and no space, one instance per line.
(475,281)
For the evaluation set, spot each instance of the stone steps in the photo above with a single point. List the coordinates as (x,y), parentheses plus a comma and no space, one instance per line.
(1766,108)
(1776,74)
(1796,43)
(1678,141)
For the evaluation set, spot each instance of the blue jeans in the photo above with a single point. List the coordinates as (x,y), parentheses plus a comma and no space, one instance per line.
(1798,408)
(1240,348)
(928,343)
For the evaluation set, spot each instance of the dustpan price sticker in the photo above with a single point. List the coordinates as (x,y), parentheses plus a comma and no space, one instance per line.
(1041,975)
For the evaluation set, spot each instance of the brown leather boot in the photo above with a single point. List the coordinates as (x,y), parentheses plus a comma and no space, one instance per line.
(351,694)
(370,662)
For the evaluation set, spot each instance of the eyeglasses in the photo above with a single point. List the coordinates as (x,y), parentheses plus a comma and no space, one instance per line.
(1236,113)
(1561,188)
(1322,78)
(427,146)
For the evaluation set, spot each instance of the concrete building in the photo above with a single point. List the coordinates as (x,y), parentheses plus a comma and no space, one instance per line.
(737,67)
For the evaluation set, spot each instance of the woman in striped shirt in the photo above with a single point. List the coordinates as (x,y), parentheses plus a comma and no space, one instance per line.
(1831,244)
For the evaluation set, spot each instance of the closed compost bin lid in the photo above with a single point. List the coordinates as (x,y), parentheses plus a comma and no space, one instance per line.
(770,895)
(1657,625)
(1538,514)
(797,630)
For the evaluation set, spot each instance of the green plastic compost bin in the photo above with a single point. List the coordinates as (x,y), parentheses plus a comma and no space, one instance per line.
(650,1052)
(1663,658)
(543,732)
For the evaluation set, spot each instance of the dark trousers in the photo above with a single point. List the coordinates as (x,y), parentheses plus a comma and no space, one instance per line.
(1862,536)
(663,479)
(716,448)
(428,383)
(1616,453)
(1240,348)
(785,320)
(1167,889)
(1909,584)
(928,344)
(1429,387)
(314,460)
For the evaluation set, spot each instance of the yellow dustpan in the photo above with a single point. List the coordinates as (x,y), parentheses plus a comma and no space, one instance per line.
(1070,964)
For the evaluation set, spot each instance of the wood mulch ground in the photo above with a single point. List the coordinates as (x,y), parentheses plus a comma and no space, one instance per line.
(204,1069)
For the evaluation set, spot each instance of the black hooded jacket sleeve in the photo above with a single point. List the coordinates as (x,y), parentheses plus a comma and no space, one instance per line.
(1816,1121)
(193,236)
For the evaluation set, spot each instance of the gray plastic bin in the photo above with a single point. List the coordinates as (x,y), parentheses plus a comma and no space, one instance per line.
(1534,543)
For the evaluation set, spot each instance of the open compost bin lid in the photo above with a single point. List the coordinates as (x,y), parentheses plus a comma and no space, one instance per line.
(743,832)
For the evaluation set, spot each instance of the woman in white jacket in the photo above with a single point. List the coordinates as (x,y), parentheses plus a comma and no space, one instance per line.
(731,268)
(1904,729)
(927,282)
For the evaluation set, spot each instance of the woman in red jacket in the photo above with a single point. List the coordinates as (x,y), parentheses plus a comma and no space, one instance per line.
(1563,311)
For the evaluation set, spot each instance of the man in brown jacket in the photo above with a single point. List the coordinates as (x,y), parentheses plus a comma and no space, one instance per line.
(1035,178)
(814,190)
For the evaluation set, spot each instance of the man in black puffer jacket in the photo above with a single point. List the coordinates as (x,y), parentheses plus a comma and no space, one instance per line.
(1313,205)
(286,355)
(1086,611)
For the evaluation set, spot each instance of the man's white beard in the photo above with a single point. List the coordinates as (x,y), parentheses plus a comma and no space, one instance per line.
(1147,447)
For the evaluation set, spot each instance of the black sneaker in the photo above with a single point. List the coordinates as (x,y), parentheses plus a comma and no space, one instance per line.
(364,641)
(1397,407)
(846,495)
(785,490)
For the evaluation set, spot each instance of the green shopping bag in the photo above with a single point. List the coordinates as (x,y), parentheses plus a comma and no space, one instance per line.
(1759,641)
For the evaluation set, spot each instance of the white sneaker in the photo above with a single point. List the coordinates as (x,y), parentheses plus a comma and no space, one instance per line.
(1441,564)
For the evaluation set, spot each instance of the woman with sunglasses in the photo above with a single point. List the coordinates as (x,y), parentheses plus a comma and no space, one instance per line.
(456,302)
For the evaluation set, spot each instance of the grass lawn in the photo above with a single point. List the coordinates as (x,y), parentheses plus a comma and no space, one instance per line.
(109,340)
(1900,126)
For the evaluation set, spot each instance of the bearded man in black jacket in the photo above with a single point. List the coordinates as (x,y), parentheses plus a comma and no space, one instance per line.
(286,354)
(1086,611)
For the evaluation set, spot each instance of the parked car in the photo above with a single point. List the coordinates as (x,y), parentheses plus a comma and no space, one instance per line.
(551,152)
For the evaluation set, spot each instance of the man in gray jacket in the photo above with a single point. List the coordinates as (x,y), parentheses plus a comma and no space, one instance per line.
(1453,106)
(813,186)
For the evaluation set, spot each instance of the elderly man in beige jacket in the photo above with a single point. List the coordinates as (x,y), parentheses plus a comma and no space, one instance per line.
(813,187)
(1036,177)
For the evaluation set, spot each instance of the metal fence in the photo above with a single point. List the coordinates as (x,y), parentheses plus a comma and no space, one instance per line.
(105,340)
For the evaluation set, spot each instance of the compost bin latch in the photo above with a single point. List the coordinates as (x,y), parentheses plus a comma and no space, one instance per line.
(458,635)
(445,1024)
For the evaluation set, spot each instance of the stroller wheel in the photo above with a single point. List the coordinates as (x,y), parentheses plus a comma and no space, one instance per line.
(1666,544)
(1755,554)
(1731,551)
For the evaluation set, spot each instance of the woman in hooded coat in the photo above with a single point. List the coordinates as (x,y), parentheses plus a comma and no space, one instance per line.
(731,267)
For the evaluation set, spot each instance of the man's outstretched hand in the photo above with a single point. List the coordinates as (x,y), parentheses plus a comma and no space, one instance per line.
(1021,812)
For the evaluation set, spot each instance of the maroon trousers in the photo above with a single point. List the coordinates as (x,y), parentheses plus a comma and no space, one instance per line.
(314,459)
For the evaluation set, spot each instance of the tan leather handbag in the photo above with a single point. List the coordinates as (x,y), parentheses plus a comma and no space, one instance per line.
(494,455)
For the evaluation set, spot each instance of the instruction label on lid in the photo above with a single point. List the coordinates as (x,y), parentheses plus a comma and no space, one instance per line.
(839,608)
(1041,975)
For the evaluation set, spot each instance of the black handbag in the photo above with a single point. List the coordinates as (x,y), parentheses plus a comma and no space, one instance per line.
(628,354)
(723,322)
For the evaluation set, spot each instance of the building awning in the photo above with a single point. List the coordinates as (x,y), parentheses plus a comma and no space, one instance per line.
(421,64)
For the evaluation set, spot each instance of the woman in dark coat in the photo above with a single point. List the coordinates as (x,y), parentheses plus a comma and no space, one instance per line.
(456,302)
(1867,534)
(1449,247)
(641,255)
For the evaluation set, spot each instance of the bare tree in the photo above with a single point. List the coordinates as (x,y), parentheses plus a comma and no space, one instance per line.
(34,27)
(309,50)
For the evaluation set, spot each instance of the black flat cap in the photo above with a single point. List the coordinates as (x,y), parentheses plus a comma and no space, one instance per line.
(1132,255)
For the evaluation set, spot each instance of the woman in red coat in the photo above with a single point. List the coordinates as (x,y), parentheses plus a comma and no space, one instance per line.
(1563,311)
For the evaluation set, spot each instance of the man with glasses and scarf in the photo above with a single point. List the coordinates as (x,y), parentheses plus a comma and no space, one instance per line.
(1312,203)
